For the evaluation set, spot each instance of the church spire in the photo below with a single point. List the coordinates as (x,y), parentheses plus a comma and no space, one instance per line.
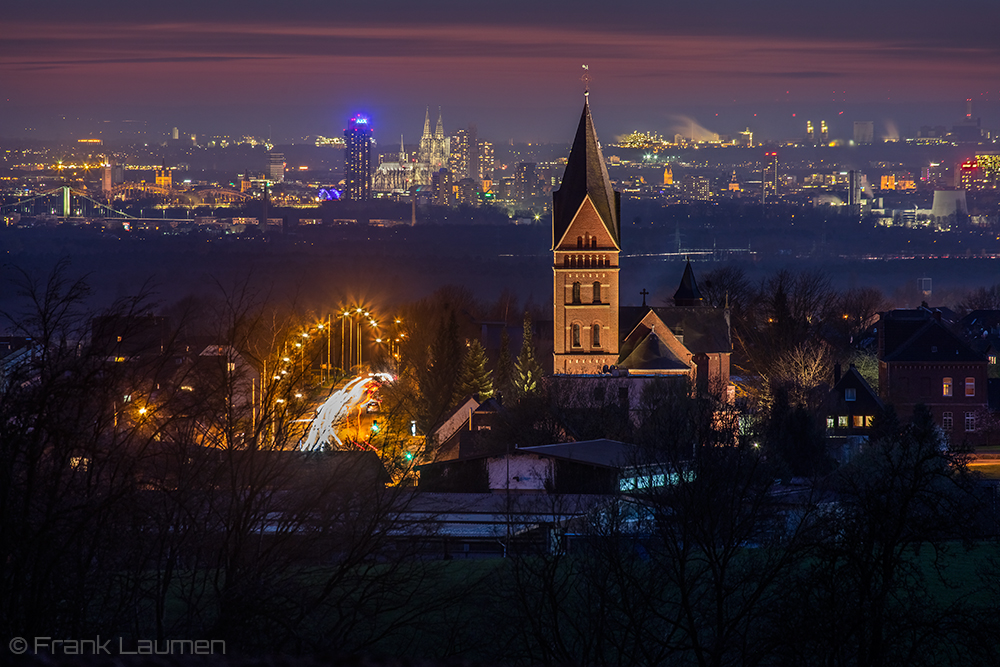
(586,175)
(427,122)
(402,151)
(688,294)
(439,130)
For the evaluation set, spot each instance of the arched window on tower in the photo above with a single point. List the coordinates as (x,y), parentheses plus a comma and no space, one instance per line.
(593,242)
(596,335)
(597,292)
(576,292)
(579,241)
(576,335)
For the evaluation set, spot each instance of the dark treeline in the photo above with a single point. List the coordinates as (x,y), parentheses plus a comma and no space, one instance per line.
(151,498)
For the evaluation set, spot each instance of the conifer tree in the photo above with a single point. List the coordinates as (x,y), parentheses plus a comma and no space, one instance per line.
(504,381)
(438,379)
(528,372)
(474,379)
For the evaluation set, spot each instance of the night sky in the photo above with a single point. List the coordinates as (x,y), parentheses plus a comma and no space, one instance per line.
(513,68)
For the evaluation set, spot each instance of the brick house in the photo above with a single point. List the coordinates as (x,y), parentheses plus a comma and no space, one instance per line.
(922,361)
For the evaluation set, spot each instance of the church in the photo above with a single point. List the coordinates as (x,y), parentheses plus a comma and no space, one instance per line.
(593,333)
(434,151)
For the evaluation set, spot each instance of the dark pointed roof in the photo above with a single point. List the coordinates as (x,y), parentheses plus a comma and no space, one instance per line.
(933,342)
(705,330)
(687,294)
(586,174)
(652,354)
(866,400)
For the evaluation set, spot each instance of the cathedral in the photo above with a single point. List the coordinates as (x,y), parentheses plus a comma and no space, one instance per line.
(593,333)
(434,151)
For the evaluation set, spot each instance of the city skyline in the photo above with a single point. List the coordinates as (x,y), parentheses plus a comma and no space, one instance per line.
(516,74)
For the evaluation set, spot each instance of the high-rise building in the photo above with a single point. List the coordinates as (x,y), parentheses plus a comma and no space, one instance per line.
(969,175)
(485,160)
(856,186)
(698,187)
(442,185)
(464,158)
(525,181)
(770,177)
(864,131)
(112,175)
(989,166)
(358,159)
(824,132)
(276,167)
(810,132)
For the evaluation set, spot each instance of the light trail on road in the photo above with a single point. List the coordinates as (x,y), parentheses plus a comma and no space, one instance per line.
(336,408)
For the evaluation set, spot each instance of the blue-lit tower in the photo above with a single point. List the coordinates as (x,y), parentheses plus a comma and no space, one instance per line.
(358,159)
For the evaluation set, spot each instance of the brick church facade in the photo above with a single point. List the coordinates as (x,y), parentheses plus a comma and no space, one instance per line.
(593,334)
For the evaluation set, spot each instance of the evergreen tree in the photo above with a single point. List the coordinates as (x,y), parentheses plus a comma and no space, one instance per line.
(438,379)
(474,379)
(505,368)
(528,373)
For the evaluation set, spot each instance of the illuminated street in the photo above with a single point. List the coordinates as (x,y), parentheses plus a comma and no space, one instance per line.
(336,411)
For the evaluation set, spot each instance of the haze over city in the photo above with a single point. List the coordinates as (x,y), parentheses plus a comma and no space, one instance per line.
(302,68)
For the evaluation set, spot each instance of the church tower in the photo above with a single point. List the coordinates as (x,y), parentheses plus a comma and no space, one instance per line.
(586,241)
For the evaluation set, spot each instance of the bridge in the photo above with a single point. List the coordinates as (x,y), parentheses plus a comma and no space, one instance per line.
(64,202)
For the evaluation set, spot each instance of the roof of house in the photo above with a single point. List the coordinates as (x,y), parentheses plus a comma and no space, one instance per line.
(601,452)
(931,341)
(651,353)
(705,330)
(865,397)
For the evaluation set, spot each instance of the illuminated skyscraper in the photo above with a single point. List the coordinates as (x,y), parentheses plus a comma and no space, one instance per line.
(276,167)
(770,177)
(358,159)
(969,175)
(824,132)
(810,132)
(485,160)
(989,166)
(526,185)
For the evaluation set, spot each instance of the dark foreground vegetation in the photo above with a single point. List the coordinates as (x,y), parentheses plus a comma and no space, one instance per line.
(150,499)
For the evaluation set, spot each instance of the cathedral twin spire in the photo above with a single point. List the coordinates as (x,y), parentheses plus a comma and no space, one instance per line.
(434,150)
